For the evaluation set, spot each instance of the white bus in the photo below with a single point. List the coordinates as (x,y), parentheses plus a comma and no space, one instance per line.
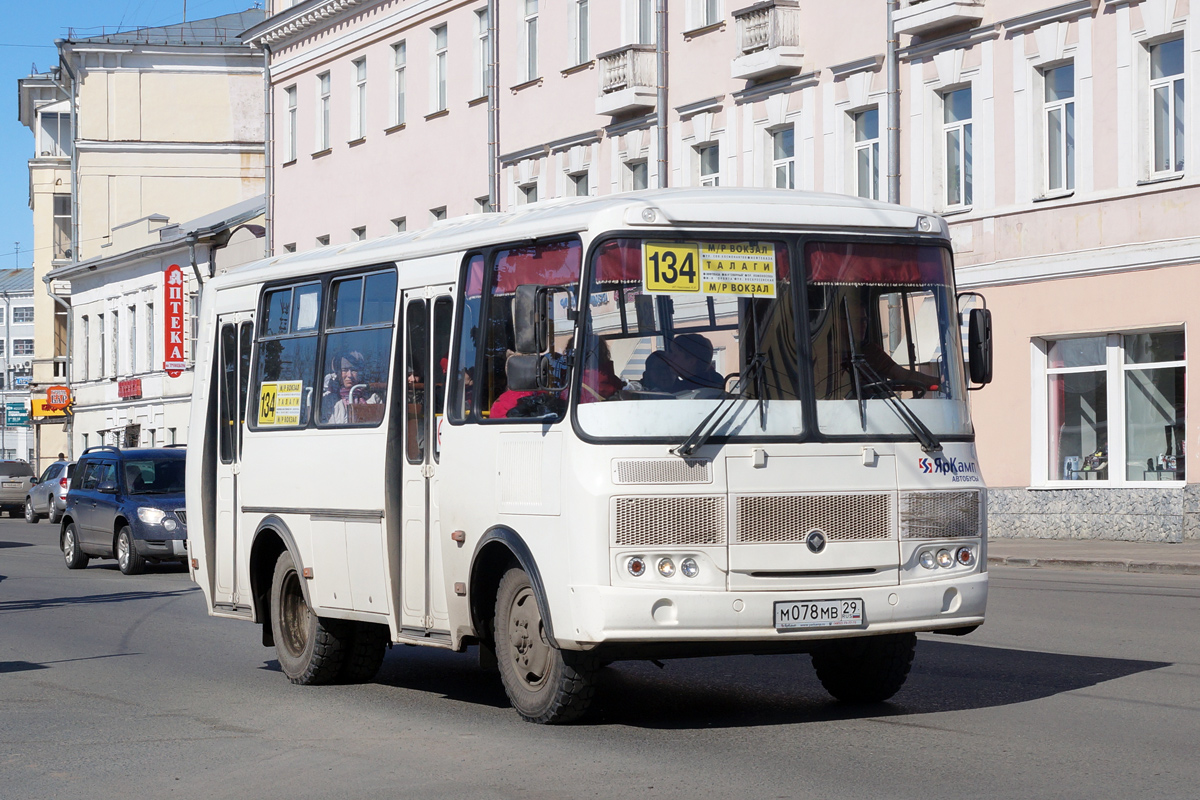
(653,425)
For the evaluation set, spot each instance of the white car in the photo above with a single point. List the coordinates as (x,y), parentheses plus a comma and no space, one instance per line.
(48,495)
(16,479)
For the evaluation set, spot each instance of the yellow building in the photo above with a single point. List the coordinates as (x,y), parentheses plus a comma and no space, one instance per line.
(160,122)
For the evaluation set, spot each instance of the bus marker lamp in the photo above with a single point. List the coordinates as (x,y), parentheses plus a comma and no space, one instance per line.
(927,560)
(945,559)
(666,567)
(637,566)
(965,556)
(689,568)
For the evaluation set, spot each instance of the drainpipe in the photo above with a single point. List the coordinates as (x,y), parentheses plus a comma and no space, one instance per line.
(893,104)
(493,104)
(660,51)
(268,155)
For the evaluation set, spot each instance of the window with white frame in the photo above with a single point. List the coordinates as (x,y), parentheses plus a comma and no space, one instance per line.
(323,89)
(527,194)
(441,43)
(290,247)
(578,184)
(399,61)
(957,168)
(358,120)
(2,349)
(1060,127)
(437,214)
(482,204)
(708,158)
(529,39)
(1116,411)
(116,343)
(21,315)
(290,134)
(22,347)
(783,154)
(866,153)
(150,337)
(1166,105)
(400,224)
(103,339)
(62,226)
(705,13)
(645,28)
(87,343)
(358,234)
(637,175)
(194,326)
(133,353)
(483,53)
(323,241)
(580,48)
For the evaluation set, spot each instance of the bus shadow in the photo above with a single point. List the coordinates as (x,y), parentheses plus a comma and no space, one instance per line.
(750,691)
(6,545)
(90,599)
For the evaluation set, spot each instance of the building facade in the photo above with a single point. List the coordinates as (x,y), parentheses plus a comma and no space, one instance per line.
(1056,138)
(17,438)
(153,124)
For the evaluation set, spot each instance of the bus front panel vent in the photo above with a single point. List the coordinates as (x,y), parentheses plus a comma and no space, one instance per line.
(778,519)
(661,470)
(937,515)
(669,521)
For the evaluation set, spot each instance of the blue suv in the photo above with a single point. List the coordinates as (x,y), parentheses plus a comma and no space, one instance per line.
(127,505)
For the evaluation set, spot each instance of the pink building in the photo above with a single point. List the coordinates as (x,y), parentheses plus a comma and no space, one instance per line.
(1055,136)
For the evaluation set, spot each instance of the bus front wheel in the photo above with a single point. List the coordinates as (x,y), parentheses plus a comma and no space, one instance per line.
(545,685)
(309,648)
(865,670)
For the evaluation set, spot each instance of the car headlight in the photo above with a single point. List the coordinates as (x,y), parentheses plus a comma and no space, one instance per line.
(151,516)
(169,524)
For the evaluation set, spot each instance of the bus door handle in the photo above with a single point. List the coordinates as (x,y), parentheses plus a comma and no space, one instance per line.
(427,470)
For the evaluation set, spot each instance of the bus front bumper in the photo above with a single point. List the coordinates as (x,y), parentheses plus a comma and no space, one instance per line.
(606,614)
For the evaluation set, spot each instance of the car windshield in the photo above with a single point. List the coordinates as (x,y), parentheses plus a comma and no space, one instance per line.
(15,469)
(710,325)
(154,475)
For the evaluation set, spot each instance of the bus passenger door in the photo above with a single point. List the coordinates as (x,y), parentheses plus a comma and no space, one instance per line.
(235,332)
(427,327)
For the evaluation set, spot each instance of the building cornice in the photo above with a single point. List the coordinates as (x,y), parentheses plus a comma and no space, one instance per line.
(962,40)
(296,20)
(868,64)
(93,145)
(1067,11)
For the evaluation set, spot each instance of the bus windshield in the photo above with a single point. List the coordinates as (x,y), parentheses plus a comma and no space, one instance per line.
(711,325)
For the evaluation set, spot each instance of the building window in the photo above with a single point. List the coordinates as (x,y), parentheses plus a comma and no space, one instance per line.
(323,85)
(22,347)
(440,47)
(400,224)
(116,343)
(483,53)
(87,343)
(783,154)
(55,135)
(1060,128)
(133,353)
(527,194)
(483,204)
(437,214)
(2,345)
(290,247)
(645,21)
(150,337)
(866,153)
(21,315)
(323,241)
(705,13)
(2,311)
(103,345)
(580,49)
(529,39)
(1166,104)
(709,157)
(637,175)
(358,122)
(194,319)
(956,131)
(578,184)
(62,226)
(358,234)
(399,61)
(290,133)
(1116,408)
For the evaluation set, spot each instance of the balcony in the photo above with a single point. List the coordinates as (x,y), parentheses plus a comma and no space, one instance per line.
(932,17)
(627,80)
(768,39)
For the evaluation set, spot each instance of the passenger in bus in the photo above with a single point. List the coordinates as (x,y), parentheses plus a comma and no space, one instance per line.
(600,380)
(347,387)
(690,355)
(878,358)
(659,375)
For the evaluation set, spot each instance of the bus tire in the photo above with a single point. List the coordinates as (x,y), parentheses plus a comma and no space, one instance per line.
(310,649)
(545,685)
(868,669)
(365,648)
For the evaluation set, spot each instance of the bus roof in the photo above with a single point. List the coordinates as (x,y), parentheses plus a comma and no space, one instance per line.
(649,209)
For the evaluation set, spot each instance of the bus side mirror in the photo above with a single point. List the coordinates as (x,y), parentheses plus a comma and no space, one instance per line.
(979,345)
(534,372)
(531,319)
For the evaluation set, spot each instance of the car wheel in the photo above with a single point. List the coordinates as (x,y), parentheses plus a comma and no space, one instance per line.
(31,516)
(310,649)
(128,558)
(75,557)
(54,516)
(545,684)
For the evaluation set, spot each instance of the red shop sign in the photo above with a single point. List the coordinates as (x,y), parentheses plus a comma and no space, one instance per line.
(130,389)
(173,309)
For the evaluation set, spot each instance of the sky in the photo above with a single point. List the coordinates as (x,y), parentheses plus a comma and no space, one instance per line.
(27,39)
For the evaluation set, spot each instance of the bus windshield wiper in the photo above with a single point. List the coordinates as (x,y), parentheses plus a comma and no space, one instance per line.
(709,425)
(866,378)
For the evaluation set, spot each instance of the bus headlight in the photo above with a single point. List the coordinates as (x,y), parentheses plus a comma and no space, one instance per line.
(666,567)
(689,568)
(637,566)
(151,516)
(927,560)
(945,559)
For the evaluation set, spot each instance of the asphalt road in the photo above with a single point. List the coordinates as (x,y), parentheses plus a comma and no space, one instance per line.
(1081,685)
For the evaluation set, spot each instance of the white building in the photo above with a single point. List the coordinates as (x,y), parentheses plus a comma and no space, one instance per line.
(119,320)
(16,357)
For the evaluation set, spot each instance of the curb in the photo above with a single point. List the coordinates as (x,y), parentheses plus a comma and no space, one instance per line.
(1099,565)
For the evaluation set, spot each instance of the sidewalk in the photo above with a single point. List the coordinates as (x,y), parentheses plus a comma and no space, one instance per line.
(1175,559)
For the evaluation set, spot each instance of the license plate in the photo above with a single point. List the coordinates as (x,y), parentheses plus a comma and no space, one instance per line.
(12,484)
(792,615)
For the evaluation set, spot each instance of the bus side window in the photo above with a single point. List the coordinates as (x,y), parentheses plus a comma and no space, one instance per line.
(358,349)
(416,345)
(462,387)
(443,318)
(287,357)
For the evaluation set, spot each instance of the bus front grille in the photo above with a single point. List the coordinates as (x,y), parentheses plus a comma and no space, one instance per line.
(937,515)
(788,518)
(661,470)
(670,521)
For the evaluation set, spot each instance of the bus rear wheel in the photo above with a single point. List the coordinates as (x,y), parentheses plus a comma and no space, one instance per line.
(310,649)
(545,685)
(869,669)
